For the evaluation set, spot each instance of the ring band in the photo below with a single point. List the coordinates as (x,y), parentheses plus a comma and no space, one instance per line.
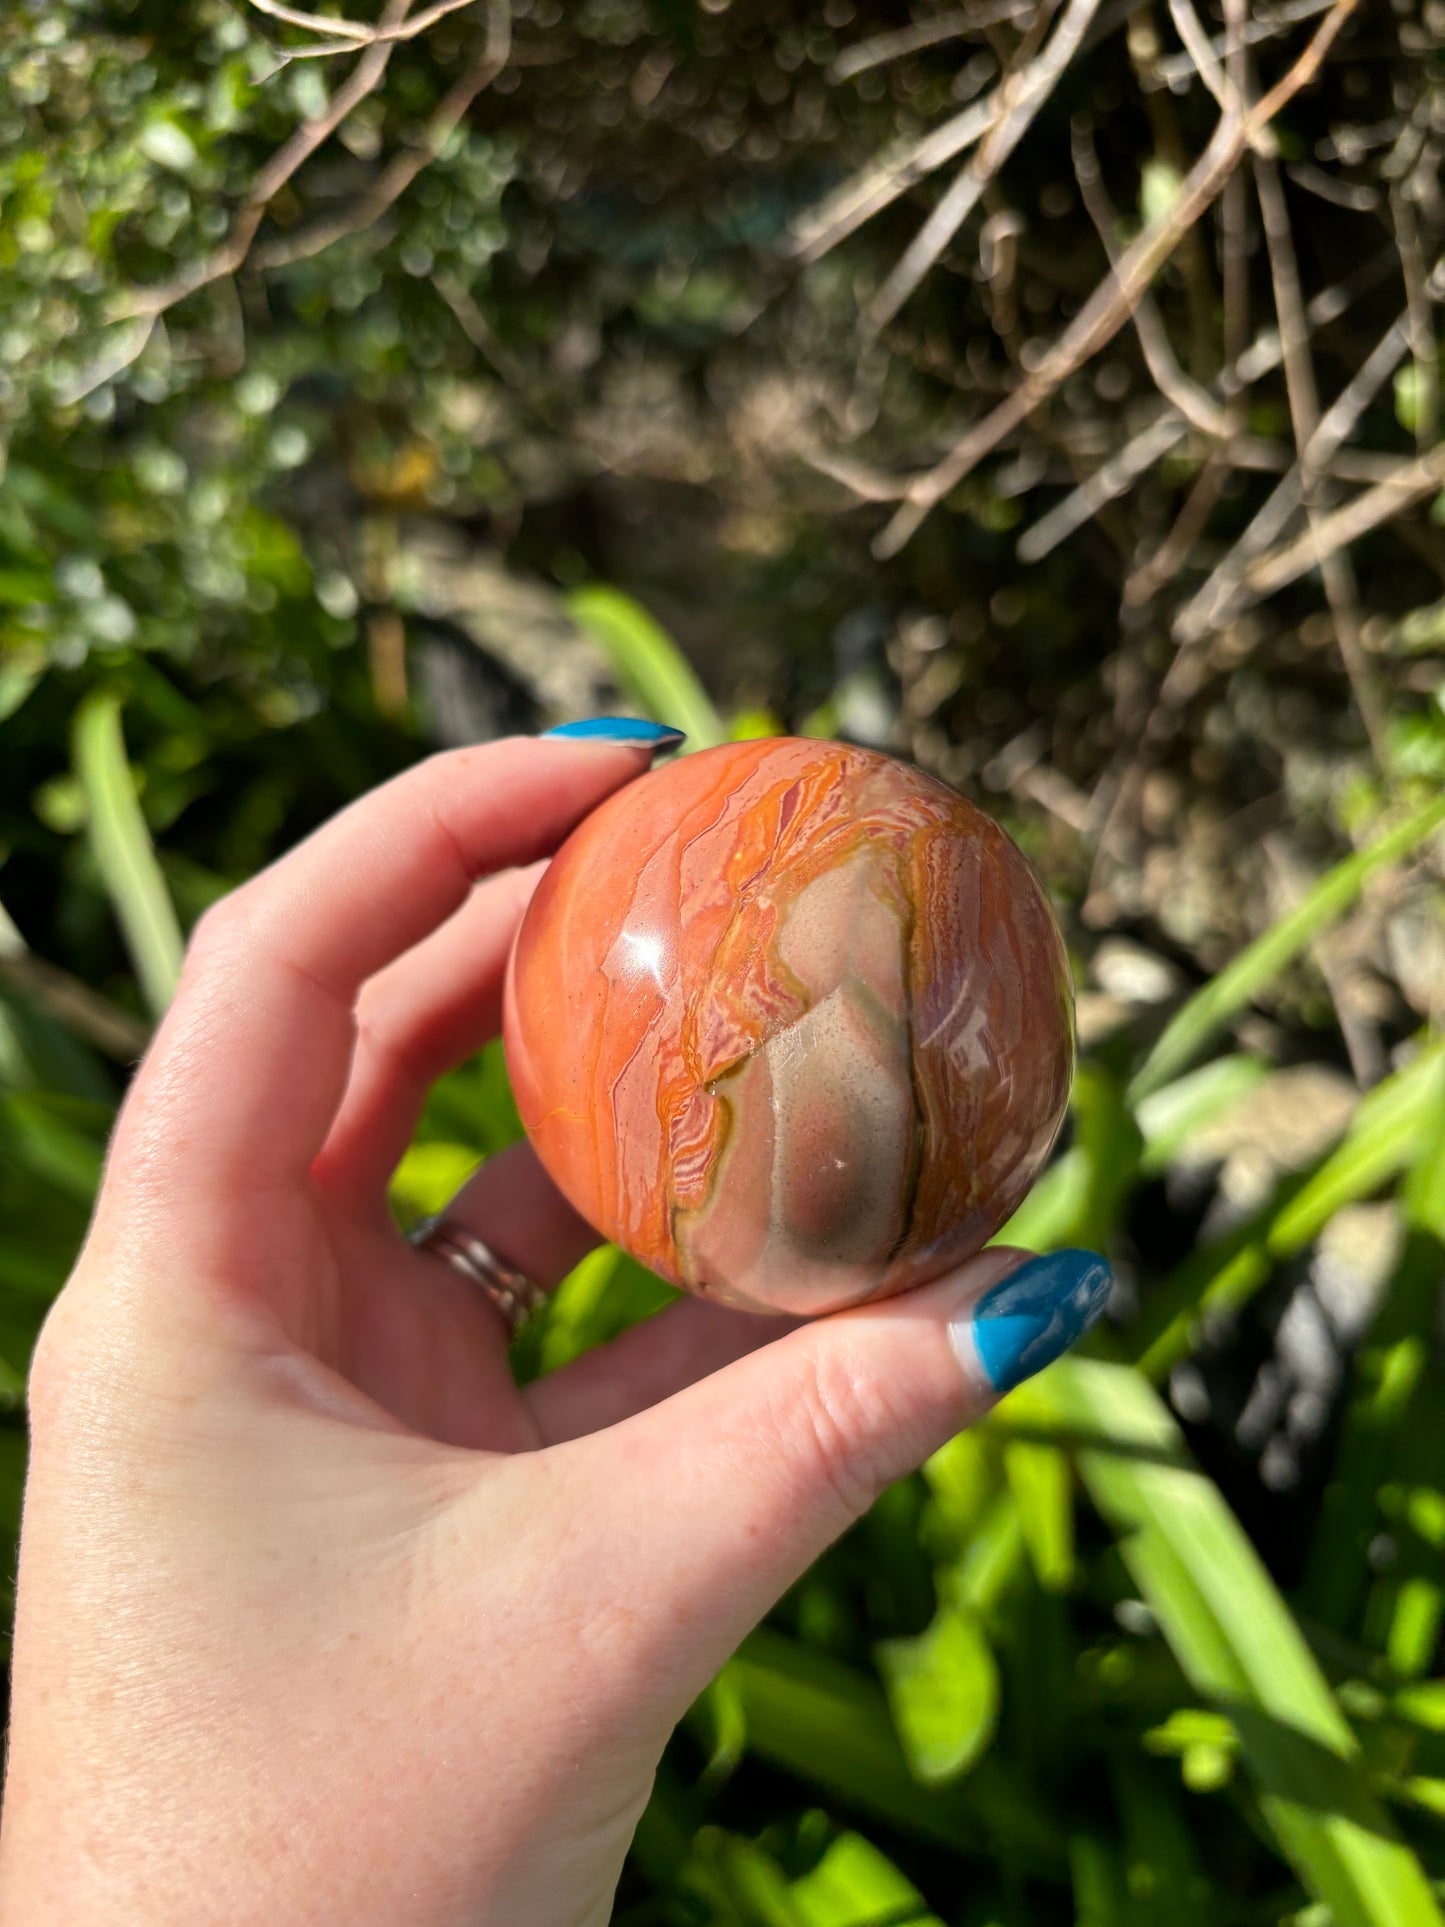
(516,1296)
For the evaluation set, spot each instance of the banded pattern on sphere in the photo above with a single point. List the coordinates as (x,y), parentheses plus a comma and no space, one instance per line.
(792,1023)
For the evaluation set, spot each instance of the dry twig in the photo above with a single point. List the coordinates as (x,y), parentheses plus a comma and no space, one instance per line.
(1367,511)
(882,182)
(1422,323)
(74,1004)
(1194,403)
(953,25)
(399,174)
(1112,302)
(1018,98)
(377,45)
(359,33)
(363,79)
(1155,439)
(1218,600)
(1304,406)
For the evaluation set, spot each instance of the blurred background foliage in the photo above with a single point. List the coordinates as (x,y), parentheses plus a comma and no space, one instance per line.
(369,385)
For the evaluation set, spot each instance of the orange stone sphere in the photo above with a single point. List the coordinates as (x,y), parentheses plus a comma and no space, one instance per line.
(792,1023)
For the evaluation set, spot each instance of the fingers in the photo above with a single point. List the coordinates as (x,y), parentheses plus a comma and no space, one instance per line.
(249,1067)
(718,1499)
(676,1348)
(436,1006)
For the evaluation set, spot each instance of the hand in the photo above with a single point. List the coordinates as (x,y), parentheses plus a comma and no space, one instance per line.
(320,1618)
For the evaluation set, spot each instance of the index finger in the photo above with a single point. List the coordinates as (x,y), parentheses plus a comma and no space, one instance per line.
(249,1067)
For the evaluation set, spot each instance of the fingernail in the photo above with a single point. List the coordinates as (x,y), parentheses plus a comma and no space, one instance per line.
(1038,1311)
(628,732)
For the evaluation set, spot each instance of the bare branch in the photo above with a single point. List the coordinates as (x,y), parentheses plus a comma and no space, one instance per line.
(315,22)
(1194,403)
(399,174)
(954,25)
(1304,407)
(1422,322)
(1112,302)
(883,182)
(75,1005)
(1114,478)
(1220,598)
(1367,511)
(1173,552)
(1019,97)
(1177,69)
(350,34)
(363,79)
(1196,44)
(1153,440)
(1314,180)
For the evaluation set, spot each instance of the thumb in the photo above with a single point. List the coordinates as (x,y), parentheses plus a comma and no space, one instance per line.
(768,1460)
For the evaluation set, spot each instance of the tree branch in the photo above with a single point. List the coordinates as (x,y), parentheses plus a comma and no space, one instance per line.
(1115,299)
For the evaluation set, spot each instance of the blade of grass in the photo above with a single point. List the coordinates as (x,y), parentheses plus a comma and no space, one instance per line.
(1217,1279)
(1200,1019)
(123,851)
(942,1689)
(1080,1198)
(1236,1641)
(648,664)
(829,1725)
(1162,1865)
(1042,1484)
(1171,1117)
(1387,1376)
(855,1885)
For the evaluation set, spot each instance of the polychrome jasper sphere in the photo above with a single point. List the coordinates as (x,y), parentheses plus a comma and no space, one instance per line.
(792,1023)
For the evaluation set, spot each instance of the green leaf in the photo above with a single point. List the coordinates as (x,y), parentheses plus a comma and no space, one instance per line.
(1170,1118)
(43,1135)
(1235,1639)
(744,1879)
(1042,1484)
(1161,1867)
(123,851)
(428,1176)
(648,664)
(16,683)
(1058,1202)
(1216,1279)
(823,1721)
(855,1885)
(943,1692)
(1388,1375)
(1193,1027)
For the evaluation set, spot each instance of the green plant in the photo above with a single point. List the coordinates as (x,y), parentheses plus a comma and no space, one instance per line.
(1052,1664)
(1068,1672)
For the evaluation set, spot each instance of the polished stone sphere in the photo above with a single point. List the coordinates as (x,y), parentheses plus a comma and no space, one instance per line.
(792,1023)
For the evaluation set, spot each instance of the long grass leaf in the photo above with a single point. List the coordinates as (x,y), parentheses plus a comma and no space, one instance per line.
(1216,1279)
(1171,1118)
(648,664)
(1387,1376)
(943,1691)
(1210,1009)
(828,1724)
(123,852)
(1236,1641)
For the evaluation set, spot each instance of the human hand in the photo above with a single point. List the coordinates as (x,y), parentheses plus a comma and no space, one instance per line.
(320,1617)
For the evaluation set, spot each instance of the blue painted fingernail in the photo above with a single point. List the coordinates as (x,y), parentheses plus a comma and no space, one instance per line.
(630,732)
(1037,1312)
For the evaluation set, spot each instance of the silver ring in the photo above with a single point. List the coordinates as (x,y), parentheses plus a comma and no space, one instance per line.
(516,1296)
